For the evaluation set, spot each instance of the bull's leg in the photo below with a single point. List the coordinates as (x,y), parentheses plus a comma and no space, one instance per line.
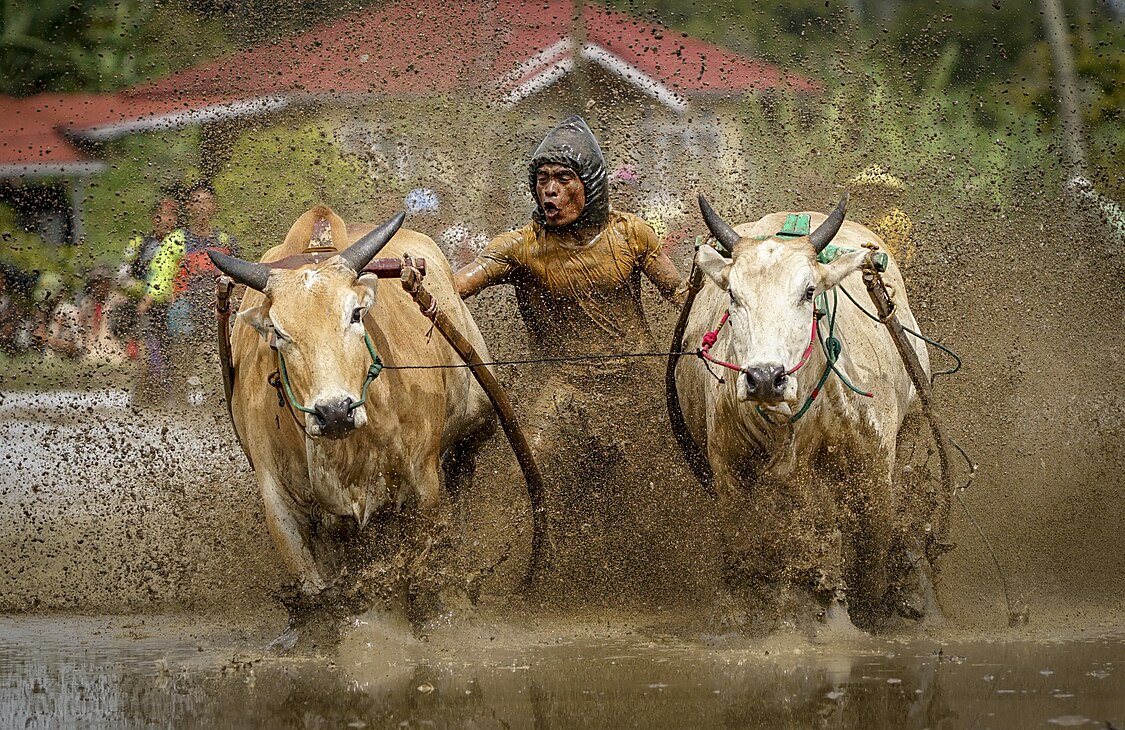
(423,582)
(458,465)
(911,575)
(871,502)
(291,534)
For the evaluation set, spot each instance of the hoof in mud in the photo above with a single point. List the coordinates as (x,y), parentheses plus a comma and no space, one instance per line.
(284,643)
(834,622)
(915,599)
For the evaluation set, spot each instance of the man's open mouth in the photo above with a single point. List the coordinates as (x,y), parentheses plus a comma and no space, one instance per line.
(550,208)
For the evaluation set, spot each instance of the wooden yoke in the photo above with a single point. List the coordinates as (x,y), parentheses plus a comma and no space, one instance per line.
(412,283)
(885,308)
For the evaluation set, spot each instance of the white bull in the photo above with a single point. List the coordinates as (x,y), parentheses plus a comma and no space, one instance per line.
(812,494)
(320,458)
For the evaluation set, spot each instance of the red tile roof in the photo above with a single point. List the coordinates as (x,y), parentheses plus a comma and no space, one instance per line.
(30,138)
(420,46)
(507,49)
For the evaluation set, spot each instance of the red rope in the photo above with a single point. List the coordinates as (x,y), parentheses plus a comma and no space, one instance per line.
(711,337)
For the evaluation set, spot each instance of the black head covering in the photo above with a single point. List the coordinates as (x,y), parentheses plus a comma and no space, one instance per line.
(573,144)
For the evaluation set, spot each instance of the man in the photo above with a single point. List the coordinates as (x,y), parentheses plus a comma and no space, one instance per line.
(132,274)
(132,280)
(576,267)
(576,270)
(181,277)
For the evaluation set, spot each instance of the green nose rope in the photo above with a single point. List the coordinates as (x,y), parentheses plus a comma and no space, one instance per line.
(372,373)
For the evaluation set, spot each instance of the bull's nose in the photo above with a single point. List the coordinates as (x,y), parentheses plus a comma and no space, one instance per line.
(336,420)
(766,384)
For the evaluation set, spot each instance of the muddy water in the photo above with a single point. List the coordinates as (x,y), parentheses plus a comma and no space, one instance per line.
(188,672)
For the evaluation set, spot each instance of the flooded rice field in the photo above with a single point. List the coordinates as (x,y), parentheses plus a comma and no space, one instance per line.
(141,589)
(139,585)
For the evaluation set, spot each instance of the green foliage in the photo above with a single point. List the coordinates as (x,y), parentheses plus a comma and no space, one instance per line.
(140,169)
(968,78)
(58,45)
(23,250)
(932,138)
(276,173)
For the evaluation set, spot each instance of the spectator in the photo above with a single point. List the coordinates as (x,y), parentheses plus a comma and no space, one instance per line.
(181,277)
(57,329)
(95,312)
(145,335)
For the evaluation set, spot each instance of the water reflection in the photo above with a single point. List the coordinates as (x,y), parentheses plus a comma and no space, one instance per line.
(97,673)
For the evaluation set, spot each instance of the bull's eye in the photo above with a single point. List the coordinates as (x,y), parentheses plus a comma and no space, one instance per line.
(810,291)
(357,315)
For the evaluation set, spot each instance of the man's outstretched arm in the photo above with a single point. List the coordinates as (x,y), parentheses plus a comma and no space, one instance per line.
(470,279)
(489,267)
(667,280)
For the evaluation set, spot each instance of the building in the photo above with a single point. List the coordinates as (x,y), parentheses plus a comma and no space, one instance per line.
(429,93)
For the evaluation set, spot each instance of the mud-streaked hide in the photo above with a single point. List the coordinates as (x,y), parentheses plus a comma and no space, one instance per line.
(766,286)
(410,419)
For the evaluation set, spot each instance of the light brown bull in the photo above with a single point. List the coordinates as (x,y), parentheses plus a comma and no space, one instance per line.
(325,457)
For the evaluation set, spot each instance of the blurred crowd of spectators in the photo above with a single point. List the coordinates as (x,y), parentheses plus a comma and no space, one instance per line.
(152,308)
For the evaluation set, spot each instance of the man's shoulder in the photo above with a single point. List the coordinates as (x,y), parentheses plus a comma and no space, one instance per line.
(625,217)
(633,228)
(630,222)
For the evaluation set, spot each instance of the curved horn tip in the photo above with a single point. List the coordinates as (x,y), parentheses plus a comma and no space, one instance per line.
(255,276)
(720,229)
(827,230)
(360,253)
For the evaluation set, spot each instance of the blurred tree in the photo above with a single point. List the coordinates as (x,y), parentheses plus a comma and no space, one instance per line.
(1066,84)
(277,173)
(102,45)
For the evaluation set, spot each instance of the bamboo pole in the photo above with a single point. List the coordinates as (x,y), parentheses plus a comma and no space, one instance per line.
(885,307)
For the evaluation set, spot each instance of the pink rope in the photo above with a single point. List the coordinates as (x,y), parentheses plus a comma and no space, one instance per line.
(710,338)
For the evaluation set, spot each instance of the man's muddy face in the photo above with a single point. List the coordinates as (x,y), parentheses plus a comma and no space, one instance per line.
(561,194)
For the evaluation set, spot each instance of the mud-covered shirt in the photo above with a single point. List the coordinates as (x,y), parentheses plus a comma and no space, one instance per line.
(577,299)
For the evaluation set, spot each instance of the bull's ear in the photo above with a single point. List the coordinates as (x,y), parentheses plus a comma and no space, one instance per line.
(714,265)
(367,284)
(259,319)
(838,269)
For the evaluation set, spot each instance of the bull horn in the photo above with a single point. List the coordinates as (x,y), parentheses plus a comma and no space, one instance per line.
(827,230)
(252,275)
(719,228)
(360,253)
